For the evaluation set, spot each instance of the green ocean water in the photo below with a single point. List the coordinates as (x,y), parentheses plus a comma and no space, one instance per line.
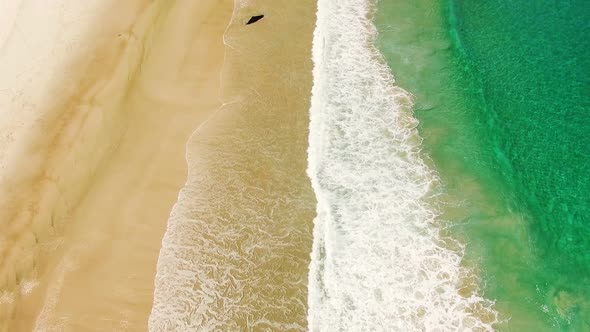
(503,97)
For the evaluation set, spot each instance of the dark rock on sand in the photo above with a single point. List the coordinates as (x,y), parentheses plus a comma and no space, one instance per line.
(254,19)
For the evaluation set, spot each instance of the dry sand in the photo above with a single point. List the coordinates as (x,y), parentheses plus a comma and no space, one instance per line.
(86,190)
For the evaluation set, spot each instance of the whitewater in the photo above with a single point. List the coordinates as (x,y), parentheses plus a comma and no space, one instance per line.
(379,262)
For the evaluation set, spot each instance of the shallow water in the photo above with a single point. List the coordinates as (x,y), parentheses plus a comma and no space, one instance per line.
(236,252)
(501,93)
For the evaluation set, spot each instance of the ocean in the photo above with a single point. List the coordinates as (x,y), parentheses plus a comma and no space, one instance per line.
(501,93)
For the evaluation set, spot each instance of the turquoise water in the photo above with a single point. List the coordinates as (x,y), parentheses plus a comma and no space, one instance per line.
(502,93)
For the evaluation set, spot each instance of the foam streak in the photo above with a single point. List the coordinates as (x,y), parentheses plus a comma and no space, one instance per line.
(377,260)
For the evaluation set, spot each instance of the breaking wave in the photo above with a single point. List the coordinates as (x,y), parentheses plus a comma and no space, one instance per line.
(379,262)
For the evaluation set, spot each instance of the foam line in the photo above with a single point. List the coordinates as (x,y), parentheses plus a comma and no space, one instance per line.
(377,260)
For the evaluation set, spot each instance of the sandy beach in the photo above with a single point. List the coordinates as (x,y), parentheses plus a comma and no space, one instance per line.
(89,180)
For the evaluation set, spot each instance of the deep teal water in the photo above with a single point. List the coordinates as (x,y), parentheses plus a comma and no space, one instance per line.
(503,95)
(533,58)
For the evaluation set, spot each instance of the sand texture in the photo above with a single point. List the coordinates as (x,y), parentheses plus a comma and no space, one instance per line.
(91,160)
(236,252)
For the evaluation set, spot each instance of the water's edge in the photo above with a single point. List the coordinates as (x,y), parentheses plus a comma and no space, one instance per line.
(378,260)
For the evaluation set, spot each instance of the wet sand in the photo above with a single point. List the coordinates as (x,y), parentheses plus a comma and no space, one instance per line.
(236,253)
(105,162)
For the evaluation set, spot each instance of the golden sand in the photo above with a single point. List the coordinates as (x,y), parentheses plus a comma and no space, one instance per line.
(84,204)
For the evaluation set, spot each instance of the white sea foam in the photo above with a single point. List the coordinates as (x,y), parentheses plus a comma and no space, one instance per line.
(377,260)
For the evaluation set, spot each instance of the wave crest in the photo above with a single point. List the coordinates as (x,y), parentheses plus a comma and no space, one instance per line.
(377,262)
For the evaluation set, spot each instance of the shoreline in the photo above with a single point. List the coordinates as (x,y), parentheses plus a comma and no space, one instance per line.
(378,246)
(93,262)
(236,250)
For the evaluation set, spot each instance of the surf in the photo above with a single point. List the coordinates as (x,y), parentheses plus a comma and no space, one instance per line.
(378,259)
